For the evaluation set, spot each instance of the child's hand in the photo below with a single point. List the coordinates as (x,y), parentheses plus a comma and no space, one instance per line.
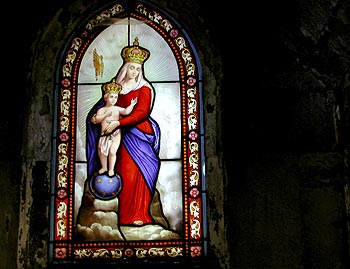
(109,113)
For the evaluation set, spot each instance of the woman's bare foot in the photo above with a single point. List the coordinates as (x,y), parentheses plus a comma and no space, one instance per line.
(110,173)
(138,222)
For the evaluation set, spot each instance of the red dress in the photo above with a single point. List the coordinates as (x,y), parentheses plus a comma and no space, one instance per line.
(137,160)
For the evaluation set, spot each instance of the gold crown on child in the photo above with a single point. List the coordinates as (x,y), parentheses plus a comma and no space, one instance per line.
(135,53)
(112,87)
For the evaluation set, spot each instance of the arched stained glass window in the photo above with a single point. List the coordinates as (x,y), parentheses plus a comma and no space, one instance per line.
(128,182)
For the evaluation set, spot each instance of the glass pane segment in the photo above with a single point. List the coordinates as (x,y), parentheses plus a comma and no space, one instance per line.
(103,58)
(167,112)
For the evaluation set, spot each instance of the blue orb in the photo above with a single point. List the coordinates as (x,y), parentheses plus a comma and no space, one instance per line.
(105,187)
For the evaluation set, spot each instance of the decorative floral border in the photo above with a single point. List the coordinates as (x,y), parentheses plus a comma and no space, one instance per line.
(192,245)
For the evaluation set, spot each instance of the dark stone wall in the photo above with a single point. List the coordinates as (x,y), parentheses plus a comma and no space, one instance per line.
(276,87)
(287,145)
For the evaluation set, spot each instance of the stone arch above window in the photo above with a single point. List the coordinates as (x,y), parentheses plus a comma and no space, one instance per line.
(92,210)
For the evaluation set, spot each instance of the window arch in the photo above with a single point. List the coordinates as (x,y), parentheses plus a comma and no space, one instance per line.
(88,205)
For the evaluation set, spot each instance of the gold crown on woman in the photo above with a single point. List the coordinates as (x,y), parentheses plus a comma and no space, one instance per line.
(112,87)
(135,53)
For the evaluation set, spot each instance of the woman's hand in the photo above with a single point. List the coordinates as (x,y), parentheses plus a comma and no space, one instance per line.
(93,119)
(112,126)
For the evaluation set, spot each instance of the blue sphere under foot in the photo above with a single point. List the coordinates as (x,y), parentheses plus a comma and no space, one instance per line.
(105,187)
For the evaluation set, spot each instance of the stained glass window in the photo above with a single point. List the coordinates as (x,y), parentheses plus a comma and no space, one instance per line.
(128,177)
